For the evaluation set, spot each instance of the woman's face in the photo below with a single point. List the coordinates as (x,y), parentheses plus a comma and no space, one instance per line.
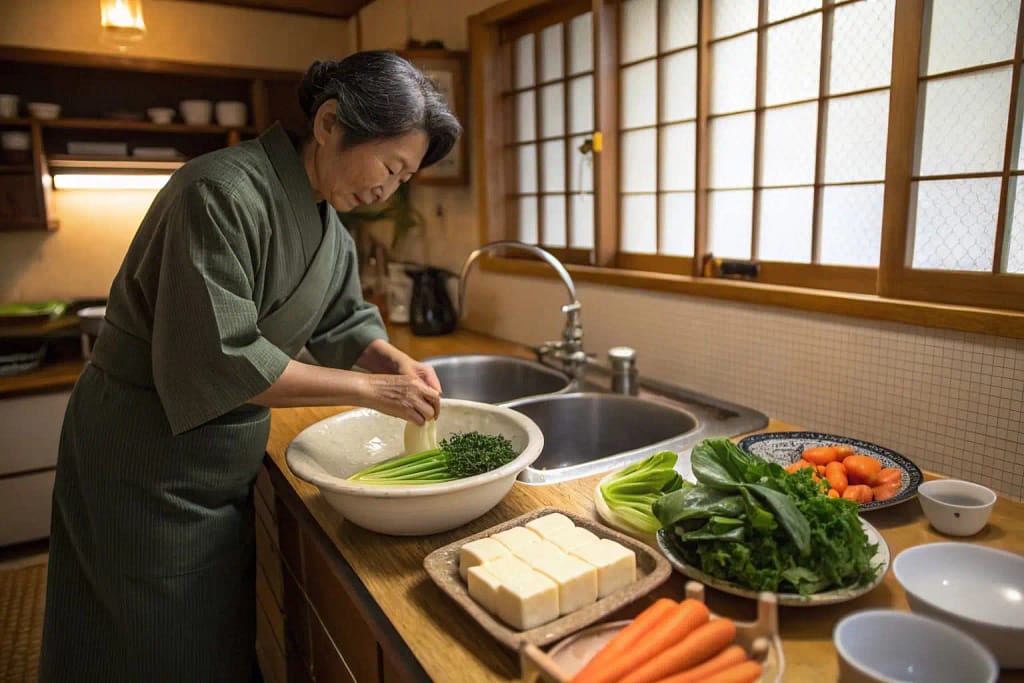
(349,177)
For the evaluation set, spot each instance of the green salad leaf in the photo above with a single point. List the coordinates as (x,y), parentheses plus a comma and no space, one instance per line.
(631,492)
(750,522)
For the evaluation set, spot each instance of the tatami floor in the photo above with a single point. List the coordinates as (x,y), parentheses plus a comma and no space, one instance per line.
(22,594)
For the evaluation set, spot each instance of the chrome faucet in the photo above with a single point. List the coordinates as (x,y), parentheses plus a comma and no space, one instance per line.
(569,349)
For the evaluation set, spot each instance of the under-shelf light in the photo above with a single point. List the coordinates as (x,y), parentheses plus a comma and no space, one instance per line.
(109,181)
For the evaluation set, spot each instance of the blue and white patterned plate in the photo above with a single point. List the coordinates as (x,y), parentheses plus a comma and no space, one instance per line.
(785,448)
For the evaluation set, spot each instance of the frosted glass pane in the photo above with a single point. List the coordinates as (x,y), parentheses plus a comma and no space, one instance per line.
(970,33)
(639,97)
(524,66)
(638,161)
(528,220)
(639,233)
(732,151)
(526,121)
(581,104)
(581,166)
(732,16)
(677,219)
(581,46)
(527,163)
(965,122)
(581,216)
(851,225)
(780,9)
(554,220)
(553,166)
(733,74)
(679,86)
(551,51)
(1015,247)
(794,52)
(552,110)
(861,46)
(729,223)
(856,137)
(678,24)
(955,223)
(790,143)
(678,157)
(785,231)
(639,28)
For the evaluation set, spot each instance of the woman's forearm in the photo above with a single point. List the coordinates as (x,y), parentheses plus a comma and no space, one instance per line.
(310,385)
(381,357)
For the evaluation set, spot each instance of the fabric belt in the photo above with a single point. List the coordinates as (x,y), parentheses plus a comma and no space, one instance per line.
(123,356)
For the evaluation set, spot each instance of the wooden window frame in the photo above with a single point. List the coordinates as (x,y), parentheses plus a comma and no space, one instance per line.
(976,302)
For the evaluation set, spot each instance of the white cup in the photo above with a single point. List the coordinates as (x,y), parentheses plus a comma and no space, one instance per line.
(231,113)
(16,140)
(8,106)
(160,114)
(196,112)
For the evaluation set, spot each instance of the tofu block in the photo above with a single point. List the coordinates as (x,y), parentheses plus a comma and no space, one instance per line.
(507,568)
(527,600)
(549,525)
(478,552)
(573,538)
(483,587)
(576,580)
(517,539)
(541,551)
(616,565)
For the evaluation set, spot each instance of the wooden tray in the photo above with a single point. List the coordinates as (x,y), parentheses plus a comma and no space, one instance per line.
(759,638)
(443,567)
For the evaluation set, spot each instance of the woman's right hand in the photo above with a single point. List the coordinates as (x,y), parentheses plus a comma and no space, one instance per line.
(402,396)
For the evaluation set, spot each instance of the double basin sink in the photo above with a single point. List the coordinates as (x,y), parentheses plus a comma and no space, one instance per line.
(588,429)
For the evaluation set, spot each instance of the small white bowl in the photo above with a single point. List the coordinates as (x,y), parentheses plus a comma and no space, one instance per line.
(955,507)
(328,452)
(886,646)
(196,112)
(16,140)
(160,114)
(978,589)
(43,110)
(230,113)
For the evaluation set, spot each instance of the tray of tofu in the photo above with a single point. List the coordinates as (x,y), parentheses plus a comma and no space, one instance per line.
(540,577)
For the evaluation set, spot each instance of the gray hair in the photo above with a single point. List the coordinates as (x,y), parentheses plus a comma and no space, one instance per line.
(380,95)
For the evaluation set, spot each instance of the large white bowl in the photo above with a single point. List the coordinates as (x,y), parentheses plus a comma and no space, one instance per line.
(977,589)
(328,452)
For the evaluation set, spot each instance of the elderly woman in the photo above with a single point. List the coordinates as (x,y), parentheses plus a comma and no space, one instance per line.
(239,264)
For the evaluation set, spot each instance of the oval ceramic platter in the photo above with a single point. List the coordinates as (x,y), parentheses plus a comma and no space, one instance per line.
(881,560)
(785,448)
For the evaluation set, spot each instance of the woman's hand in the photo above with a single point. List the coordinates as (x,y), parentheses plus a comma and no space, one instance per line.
(405,396)
(414,368)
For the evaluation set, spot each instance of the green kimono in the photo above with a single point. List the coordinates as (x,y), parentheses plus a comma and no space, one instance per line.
(152,562)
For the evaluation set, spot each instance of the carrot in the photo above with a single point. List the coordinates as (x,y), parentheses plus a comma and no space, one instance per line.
(699,646)
(835,472)
(844,451)
(665,633)
(889,474)
(860,493)
(832,493)
(820,455)
(820,469)
(747,672)
(886,490)
(723,660)
(861,469)
(798,465)
(624,641)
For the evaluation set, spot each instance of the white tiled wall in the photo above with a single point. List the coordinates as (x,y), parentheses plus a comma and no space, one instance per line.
(950,401)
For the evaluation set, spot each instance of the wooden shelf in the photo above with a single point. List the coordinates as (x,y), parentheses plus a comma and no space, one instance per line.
(17,168)
(142,126)
(20,224)
(15,122)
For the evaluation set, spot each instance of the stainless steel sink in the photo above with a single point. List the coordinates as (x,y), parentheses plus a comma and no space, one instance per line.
(494,378)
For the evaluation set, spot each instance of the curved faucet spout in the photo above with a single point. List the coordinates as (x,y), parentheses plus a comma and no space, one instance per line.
(521,246)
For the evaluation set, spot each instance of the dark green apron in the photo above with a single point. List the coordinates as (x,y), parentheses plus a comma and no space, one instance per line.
(152,564)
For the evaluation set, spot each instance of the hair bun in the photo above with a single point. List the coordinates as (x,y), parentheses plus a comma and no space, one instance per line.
(311,88)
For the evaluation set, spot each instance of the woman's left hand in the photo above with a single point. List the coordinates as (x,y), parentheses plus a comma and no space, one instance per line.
(381,357)
(414,368)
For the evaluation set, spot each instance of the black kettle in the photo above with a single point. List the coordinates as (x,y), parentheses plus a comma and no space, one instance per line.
(431,312)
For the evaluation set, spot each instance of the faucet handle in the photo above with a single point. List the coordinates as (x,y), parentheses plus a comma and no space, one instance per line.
(571,308)
(621,357)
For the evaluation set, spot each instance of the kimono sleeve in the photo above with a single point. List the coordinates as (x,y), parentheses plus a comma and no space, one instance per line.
(208,354)
(350,324)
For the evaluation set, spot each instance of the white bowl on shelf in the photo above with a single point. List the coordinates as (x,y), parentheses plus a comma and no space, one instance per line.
(8,106)
(196,112)
(160,115)
(328,452)
(977,589)
(16,140)
(232,114)
(43,110)
(955,507)
(886,646)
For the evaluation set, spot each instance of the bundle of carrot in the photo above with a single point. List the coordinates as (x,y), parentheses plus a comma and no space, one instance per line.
(672,642)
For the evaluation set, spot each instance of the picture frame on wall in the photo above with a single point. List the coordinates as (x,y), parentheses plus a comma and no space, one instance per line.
(448,70)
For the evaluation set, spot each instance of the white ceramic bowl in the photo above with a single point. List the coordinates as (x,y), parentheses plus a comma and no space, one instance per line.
(15,140)
(160,114)
(955,507)
(979,590)
(230,113)
(328,452)
(43,110)
(196,112)
(886,646)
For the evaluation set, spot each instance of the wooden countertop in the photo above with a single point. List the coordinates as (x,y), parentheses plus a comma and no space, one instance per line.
(451,647)
(53,377)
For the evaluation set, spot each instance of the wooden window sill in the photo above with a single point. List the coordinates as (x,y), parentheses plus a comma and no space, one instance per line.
(998,322)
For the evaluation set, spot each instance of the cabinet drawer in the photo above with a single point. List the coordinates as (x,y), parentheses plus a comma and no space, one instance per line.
(31,428)
(25,507)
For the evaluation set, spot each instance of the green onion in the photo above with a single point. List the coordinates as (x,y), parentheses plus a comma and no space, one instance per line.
(459,456)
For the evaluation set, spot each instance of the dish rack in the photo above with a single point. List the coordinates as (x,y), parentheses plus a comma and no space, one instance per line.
(759,638)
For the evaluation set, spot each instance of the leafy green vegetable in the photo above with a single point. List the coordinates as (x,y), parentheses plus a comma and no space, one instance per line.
(750,522)
(631,492)
(458,456)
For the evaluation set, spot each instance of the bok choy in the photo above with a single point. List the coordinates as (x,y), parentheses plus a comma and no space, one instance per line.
(630,493)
